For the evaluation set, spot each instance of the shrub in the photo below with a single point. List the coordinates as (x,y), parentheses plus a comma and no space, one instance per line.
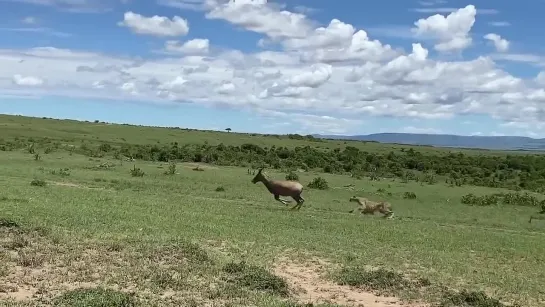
(514,199)
(137,172)
(220,189)
(255,278)
(469,299)
(409,195)
(64,172)
(318,183)
(171,169)
(380,279)
(7,223)
(94,297)
(38,183)
(292,176)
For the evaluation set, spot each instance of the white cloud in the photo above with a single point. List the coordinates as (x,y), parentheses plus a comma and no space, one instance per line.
(260,17)
(432,2)
(499,23)
(420,130)
(452,31)
(310,123)
(194,46)
(27,81)
(501,44)
(319,79)
(533,59)
(29,20)
(42,30)
(443,10)
(72,6)
(155,25)
(195,5)
(304,9)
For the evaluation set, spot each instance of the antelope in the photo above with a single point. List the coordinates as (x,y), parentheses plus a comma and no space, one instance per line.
(367,206)
(282,188)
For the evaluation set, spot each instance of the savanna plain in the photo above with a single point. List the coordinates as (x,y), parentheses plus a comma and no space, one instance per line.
(97,214)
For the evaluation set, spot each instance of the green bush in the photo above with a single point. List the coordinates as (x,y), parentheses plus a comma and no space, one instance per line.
(137,172)
(38,183)
(318,183)
(514,199)
(171,169)
(379,279)
(409,195)
(511,171)
(469,299)
(255,278)
(292,176)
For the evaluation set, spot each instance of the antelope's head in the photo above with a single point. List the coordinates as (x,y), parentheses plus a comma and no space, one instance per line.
(258,177)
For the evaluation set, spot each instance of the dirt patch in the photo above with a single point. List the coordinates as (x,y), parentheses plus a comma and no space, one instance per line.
(202,166)
(73,185)
(36,270)
(13,292)
(308,286)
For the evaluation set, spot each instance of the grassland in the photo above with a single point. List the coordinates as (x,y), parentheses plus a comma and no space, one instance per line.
(212,238)
(71,131)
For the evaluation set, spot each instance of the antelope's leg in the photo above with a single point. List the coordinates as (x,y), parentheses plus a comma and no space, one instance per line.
(300,200)
(389,215)
(277,197)
(293,208)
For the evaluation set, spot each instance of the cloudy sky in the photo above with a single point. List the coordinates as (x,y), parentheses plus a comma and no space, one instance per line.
(288,66)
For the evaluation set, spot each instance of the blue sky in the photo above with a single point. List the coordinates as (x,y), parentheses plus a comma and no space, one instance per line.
(278,67)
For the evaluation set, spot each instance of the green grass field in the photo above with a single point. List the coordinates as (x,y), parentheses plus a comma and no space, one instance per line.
(68,221)
(71,131)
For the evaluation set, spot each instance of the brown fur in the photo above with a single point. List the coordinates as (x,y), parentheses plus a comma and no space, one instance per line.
(367,206)
(282,188)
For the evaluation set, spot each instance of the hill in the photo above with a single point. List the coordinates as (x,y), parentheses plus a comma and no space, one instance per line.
(449,140)
(76,132)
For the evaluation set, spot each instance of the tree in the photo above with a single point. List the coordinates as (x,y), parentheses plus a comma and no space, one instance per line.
(228,129)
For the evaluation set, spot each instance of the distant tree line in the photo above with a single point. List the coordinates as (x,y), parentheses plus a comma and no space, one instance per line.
(507,171)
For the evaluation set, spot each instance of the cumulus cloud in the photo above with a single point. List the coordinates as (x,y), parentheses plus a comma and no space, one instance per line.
(155,25)
(320,78)
(27,81)
(194,46)
(452,31)
(501,44)
(258,16)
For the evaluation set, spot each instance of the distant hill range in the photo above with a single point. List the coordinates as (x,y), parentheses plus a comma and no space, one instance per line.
(447,140)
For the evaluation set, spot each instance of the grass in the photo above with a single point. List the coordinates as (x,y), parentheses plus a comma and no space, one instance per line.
(77,132)
(94,297)
(183,237)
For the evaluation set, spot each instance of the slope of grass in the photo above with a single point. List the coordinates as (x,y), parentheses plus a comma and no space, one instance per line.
(71,131)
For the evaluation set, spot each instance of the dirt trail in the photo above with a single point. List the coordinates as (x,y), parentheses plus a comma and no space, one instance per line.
(309,287)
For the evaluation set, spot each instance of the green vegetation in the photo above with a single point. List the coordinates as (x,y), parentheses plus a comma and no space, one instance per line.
(94,297)
(512,171)
(116,215)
